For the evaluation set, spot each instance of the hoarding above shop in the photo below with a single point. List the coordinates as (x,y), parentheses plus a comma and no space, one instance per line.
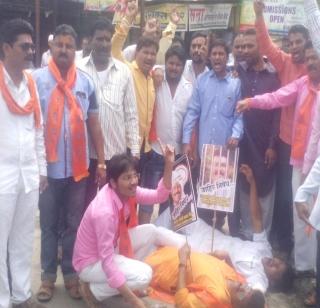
(279,15)
(194,17)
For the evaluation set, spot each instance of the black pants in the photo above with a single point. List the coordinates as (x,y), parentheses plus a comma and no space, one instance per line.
(282,226)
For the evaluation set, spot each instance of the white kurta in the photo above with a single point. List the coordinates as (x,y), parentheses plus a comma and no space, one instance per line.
(22,160)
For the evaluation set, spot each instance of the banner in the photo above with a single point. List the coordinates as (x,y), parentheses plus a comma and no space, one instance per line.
(218,176)
(105,5)
(279,15)
(182,201)
(162,13)
(206,17)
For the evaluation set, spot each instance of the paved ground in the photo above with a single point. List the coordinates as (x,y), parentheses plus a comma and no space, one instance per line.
(62,300)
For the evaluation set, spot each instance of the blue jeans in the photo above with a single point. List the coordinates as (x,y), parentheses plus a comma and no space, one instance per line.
(67,196)
(151,175)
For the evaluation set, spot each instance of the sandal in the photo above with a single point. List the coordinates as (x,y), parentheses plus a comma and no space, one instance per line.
(310,300)
(72,287)
(45,291)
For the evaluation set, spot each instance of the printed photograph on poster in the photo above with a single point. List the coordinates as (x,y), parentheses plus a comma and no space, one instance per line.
(218,175)
(182,201)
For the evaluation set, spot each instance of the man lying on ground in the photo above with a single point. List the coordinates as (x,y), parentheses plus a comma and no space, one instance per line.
(196,280)
(252,259)
(107,239)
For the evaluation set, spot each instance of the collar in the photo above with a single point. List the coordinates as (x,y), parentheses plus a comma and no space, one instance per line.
(114,197)
(226,77)
(10,83)
(89,61)
(267,67)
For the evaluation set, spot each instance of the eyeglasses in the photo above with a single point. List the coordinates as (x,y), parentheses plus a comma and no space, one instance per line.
(26,46)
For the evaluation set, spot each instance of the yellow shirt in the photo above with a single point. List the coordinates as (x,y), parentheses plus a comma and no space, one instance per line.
(206,284)
(144,87)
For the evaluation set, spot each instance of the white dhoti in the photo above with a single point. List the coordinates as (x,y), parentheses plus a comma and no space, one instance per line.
(144,239)
(305,245)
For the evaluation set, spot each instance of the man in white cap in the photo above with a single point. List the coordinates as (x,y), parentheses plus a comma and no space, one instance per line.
(47,54)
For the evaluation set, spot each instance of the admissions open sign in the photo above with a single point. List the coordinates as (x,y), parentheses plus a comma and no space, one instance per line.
(279,15)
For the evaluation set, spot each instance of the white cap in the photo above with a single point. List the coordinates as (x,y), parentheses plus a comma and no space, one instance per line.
(50,38)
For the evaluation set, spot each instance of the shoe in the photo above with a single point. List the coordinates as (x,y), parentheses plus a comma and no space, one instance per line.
(30,303)
(72,286)
(88,297)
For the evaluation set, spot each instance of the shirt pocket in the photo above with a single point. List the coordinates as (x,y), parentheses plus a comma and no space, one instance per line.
(83,101)
(227,106)
(112,96)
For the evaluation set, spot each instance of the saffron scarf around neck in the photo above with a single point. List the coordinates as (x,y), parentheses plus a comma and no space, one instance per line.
(125,245)
(303,123)
(60,95)
(32,106)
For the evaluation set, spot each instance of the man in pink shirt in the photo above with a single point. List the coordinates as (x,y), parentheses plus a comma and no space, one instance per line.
(303,93)
(290,66)
(106,243)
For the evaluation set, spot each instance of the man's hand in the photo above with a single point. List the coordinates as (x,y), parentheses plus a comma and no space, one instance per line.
(174,17)
(303,212)
(184,254)
(101,176)
(132,10)
(247,172)
(232,143)
(270,158)
(243,105)
(258,6)
(167,152)
(138,303)
(151,27)
(157,76)
(43,183)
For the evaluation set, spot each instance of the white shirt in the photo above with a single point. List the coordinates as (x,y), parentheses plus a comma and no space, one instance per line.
(129,52)
(309,189)
(45,58)
(246,256)
(189,72)
(169,114)
(21,143)
(116,100)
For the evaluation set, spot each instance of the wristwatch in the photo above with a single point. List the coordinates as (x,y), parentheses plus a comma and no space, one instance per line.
(102,166)
(182,265)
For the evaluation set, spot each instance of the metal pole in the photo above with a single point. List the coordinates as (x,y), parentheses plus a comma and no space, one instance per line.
(142,10)
(37,29)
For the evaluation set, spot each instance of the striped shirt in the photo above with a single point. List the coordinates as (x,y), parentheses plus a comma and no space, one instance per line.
(313,22)
(117,107)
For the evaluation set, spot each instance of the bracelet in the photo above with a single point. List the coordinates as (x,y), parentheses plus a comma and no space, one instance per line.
(102,166)
(182,265)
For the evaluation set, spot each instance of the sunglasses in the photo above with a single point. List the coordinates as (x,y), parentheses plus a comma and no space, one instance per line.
(26,46)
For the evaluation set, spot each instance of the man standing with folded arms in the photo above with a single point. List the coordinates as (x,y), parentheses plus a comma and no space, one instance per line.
(22,163)
(115,97)
(70,112)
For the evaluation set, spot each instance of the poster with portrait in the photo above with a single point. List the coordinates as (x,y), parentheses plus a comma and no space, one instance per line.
(218,176)
(183,208)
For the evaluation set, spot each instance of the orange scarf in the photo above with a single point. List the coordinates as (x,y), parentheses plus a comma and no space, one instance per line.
(303,123)
(125,246)
(54,120)
(32,106)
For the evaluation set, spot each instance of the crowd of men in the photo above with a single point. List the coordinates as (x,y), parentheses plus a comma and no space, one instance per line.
(80,133)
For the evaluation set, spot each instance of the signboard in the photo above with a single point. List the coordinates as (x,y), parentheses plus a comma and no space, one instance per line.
(218,175)
(162,13)
(104,5)
(206,17)
(182,201)
(279,15)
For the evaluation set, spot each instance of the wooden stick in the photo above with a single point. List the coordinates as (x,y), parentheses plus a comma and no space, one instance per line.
(214,220)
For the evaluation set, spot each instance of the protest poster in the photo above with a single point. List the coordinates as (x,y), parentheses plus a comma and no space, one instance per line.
(218,175)
(182,200)
(92,5)
(105,5)
(212,16)
(279,15)
(162,13)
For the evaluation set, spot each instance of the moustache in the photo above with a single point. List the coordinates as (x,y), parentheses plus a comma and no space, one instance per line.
(63,55)
(29,58)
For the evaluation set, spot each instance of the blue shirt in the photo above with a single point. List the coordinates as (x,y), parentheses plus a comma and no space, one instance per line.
(84,92)
(213,103)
